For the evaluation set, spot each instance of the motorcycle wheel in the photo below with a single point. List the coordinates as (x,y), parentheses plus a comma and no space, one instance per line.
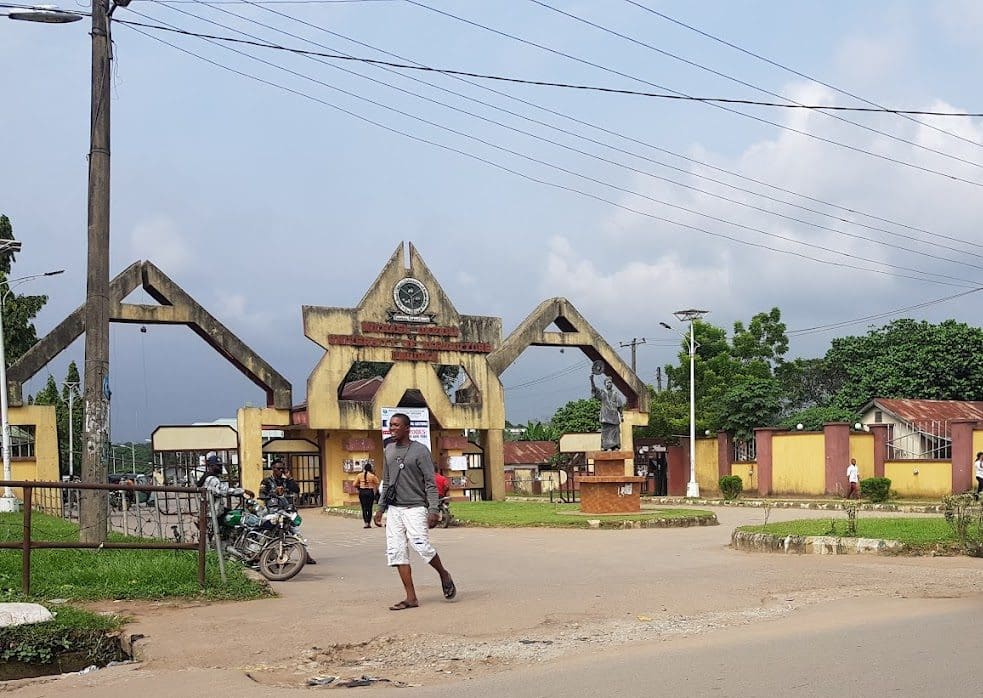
(445,518)
(282,559)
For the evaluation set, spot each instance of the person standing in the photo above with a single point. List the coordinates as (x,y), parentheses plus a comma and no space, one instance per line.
(280,484)
(408,497)
(442,483)
(853,475)
(279,489)
(211,480)
(979,474)
(367,484)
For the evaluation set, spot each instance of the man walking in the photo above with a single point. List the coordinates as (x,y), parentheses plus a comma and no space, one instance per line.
(409,499)
(853,475)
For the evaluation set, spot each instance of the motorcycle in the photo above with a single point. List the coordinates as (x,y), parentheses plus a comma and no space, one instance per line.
(265,538)
(444,515)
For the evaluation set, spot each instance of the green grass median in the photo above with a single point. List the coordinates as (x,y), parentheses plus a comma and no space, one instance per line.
(916,532)
(547,514)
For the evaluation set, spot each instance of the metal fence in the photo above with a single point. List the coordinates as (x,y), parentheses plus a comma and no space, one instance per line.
(166,517)
(744,451)
(927,439)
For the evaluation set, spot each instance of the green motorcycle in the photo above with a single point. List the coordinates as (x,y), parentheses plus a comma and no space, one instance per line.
(265,538)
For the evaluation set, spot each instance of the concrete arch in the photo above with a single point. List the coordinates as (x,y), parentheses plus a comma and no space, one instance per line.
(176,308)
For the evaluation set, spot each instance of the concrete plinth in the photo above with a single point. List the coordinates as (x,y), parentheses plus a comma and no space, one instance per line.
(609,490)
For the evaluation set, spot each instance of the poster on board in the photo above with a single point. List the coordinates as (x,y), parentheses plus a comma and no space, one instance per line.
(419,423)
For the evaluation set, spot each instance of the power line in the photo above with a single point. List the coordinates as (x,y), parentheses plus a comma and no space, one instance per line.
(554,166)
(715,103)
(844,323)
(793,71)
(567,147)
(744,83)
(671,95)
(523,175)
(628,139)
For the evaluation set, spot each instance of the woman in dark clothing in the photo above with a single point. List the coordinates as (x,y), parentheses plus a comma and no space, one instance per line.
(368,486)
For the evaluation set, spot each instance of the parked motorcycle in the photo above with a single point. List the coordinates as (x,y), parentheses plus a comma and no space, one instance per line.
(265,538)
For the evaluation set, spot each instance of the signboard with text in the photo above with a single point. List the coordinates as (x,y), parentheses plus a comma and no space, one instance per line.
(419,423)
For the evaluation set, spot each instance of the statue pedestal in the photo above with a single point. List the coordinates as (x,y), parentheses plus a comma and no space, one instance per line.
(609,490)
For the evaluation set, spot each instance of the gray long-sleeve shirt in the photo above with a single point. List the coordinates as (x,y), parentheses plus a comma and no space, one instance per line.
(416,486)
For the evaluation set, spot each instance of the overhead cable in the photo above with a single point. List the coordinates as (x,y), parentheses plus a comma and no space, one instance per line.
(788,100)
(594,156)
(793,71)
(529,177)
(719,104)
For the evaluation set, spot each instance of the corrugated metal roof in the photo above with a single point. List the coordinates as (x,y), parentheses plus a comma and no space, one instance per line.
(361,390)
(528,452)
(931,410)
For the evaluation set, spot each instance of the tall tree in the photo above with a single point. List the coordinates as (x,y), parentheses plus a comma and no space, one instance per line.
(763,342)
(19,311)
(577,417)
(909,359)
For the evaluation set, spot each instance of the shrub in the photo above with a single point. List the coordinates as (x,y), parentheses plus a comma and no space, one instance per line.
(876,489)
(731,486)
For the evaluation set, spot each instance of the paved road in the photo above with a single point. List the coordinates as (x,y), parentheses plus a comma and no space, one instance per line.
(579,598)
(884,648)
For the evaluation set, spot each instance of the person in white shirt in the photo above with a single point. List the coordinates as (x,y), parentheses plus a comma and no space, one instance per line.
(979,475)
(853,475)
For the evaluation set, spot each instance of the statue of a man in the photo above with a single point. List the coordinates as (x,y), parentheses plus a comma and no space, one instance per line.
(611,405)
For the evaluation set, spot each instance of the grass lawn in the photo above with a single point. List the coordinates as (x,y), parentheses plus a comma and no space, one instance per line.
(88,575)
(522,514)
(918,532)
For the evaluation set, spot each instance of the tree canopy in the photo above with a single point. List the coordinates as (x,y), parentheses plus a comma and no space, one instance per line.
(909,359)
(19,311)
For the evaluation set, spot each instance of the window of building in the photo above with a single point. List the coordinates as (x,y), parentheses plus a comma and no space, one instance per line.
(878,416)
(22,441)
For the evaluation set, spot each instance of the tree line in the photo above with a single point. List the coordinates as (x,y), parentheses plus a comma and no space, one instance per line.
(744,380)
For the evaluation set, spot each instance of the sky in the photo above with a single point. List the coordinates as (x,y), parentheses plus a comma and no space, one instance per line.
(261,185)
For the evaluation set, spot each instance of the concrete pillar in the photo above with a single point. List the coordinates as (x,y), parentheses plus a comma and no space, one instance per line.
(836,437)
(725,453)
(882,434)
(249,424)
(961,431)
(495,463)
(762,444)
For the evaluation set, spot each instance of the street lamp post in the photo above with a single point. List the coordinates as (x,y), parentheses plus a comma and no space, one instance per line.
(691,315)
(8,502)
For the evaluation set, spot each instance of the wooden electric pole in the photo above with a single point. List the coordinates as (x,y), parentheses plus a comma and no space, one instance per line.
(633,343)
(92,509)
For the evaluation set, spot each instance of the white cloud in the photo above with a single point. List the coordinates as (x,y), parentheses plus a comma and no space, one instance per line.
(236,311)
(639,266)
(160,241)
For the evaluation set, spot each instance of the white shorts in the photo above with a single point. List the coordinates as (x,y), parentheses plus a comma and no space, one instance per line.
(407,525)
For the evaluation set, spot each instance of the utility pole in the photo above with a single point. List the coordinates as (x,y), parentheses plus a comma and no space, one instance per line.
(633,343)
(92,509)
(658,379)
